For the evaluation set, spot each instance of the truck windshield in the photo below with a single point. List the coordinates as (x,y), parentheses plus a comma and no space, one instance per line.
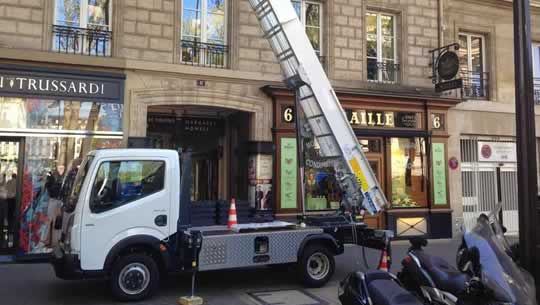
(75,189)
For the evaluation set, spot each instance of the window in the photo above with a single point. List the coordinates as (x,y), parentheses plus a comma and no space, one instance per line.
(536,71)
(310,14)
(472,65)
(204,30)
(382,65)
(409,172)
(120,182)
(82,26)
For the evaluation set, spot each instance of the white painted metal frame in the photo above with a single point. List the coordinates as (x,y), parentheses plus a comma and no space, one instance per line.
(469,50)
(203,14)
(380,58)
(321,20)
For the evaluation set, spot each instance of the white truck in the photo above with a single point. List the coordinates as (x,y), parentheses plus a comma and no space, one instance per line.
(128,215)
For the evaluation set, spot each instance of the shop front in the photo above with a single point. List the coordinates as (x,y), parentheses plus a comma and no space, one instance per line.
(49,119)
(404,139)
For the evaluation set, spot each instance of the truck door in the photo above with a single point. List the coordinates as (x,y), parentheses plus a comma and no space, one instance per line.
(127,198)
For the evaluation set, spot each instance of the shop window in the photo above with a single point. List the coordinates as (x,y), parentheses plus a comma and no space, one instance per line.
(536,70)
(473,66)
(120,182)
(204,31)
(51,164)
(409,172)
(382,62)
(311,16)
(82,27)
(322,189)
(60,115)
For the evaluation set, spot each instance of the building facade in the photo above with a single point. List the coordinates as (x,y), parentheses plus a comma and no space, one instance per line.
(199,75)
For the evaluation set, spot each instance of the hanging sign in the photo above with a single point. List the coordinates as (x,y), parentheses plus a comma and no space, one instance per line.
(497,152)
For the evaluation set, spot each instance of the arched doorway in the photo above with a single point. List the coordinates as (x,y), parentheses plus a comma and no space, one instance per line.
(216,136)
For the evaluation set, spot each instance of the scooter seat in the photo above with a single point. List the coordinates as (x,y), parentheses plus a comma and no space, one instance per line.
(388,292)
(445,276)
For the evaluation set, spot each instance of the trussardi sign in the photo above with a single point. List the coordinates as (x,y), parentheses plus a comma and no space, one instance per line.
(29,84)
(61,85)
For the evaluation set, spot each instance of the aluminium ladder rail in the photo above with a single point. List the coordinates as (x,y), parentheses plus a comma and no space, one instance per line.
(325,117)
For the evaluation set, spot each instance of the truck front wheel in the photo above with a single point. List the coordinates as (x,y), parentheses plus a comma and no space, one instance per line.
(316,266)
(134,277)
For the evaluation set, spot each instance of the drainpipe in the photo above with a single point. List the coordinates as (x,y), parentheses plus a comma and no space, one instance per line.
(440,22)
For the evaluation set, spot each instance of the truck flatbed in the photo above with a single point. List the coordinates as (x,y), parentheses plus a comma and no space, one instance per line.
(224,249)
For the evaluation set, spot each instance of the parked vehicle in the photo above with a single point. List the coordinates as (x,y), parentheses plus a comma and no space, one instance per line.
(486,274)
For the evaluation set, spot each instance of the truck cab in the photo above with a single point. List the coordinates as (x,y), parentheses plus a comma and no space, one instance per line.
(121,200)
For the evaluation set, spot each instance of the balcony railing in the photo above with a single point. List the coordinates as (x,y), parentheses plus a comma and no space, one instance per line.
(73,40)
(382,72)
(475,85)
(204,54)
(536,82)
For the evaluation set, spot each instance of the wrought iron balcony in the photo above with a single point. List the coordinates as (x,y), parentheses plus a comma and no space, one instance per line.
(382,72)
(204,54)
(536,82)
(73,40)
(475,85)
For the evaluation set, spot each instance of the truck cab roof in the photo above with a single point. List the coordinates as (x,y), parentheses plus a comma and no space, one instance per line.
(134,152)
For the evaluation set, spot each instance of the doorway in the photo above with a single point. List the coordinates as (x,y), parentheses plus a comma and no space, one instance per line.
(10,168)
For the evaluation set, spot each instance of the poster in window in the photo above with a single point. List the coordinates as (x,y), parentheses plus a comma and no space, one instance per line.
(439,174)
(288,167)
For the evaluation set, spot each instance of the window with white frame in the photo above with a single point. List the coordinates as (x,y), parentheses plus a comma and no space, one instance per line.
(536,71)
(382,61)
(473,65)
(204,32)
(310,14)
(82,26)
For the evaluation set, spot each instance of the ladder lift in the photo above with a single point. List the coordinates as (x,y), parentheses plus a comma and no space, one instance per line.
(325,118)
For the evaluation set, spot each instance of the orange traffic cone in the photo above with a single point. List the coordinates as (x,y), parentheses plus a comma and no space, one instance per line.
(232,221)
(383,262)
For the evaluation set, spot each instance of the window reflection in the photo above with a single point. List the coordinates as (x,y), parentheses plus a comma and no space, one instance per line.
(408,166)
(50,165)
(60,115)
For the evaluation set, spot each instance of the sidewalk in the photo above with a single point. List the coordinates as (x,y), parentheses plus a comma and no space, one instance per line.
(37,285)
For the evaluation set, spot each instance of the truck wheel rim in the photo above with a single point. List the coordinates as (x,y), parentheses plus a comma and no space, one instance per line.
(134,278)
(318,266)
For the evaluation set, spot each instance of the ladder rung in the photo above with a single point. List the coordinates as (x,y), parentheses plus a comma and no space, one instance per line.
(262,3)
(307,97)
(324,135)
(315,116)
(273,31)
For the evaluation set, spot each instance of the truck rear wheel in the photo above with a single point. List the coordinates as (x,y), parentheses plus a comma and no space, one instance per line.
(134,277)
(316,266)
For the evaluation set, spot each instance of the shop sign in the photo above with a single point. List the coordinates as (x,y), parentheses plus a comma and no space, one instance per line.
(288,169)
(185,125)
(439,174)
(497,152)
(387,119)
(42,84)
(200,126)
(365,118)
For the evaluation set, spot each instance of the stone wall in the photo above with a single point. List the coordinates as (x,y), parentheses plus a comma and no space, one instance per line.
(147,30)
(22,24)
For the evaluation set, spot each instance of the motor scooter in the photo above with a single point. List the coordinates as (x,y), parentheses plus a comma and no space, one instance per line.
(486,273)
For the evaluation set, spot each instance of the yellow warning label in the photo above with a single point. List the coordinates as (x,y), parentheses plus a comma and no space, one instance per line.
(362,181)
